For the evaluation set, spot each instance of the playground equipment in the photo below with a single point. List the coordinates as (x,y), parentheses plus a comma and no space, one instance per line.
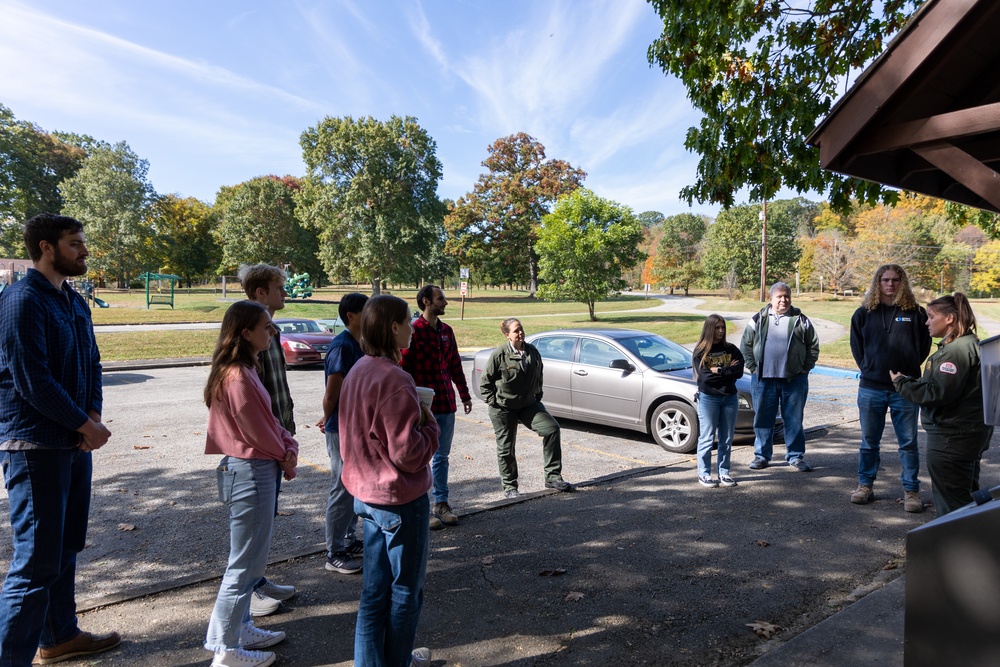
(87,289)
(159,297)
(297,287)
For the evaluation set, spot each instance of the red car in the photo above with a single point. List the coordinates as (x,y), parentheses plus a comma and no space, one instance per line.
(303,341)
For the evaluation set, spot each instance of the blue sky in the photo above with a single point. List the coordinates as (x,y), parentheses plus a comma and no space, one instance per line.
(216,92)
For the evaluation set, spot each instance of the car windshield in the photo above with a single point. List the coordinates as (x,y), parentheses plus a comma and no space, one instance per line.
(657,352)
(299,327)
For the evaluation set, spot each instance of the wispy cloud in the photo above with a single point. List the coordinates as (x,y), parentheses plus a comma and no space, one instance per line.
(549,66)
(87,56)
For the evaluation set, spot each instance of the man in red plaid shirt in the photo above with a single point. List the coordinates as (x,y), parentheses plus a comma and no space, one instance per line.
(433,361)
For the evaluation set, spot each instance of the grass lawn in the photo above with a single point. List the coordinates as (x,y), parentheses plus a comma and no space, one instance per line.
(481,327)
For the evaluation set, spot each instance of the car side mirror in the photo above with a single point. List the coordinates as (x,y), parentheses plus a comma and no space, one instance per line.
(622,365)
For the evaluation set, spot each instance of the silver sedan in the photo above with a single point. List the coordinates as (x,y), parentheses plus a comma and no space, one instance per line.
(625,378)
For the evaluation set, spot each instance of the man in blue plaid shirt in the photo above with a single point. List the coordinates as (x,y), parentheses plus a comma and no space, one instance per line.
(433,361)
(50,422)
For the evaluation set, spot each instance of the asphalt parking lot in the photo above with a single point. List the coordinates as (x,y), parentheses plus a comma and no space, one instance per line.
(669,572)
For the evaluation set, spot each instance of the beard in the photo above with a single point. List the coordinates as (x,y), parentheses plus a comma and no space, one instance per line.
(67,267)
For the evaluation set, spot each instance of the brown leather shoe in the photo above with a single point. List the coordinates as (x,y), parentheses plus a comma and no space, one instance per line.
(85,643)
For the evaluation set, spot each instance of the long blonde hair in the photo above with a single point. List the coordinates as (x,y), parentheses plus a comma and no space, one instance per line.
(904,296)
(232,349)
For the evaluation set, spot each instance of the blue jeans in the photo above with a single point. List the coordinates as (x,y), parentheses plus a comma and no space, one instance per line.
(395,564)
(340,516)
(768,395)
(49,495)
(872,406)
(716,413)
(439,464)
(249,488)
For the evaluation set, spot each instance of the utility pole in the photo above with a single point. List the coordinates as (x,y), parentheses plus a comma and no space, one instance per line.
(763,251)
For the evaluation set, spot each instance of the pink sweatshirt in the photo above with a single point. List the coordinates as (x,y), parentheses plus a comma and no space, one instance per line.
(386,453)
(240,421)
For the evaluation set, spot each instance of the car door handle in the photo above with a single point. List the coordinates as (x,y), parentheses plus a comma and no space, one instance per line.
(579,371)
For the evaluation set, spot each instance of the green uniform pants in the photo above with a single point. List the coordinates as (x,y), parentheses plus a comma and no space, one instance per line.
(953,466)
(538,420)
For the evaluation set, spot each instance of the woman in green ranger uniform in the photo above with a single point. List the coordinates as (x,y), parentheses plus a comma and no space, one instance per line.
(950,395)
(512,386)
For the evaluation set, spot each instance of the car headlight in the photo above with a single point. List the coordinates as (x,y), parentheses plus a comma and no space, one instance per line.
(295,345)
(745,402)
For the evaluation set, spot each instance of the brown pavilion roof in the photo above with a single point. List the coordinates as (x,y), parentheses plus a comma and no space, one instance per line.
(925,116)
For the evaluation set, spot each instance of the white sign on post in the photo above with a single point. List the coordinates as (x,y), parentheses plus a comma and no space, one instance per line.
(465,287)
(463,274)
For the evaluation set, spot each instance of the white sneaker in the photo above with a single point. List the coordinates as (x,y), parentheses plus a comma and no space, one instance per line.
(276,591)
(252,637)
(262,605)
(240,657)
(421,657)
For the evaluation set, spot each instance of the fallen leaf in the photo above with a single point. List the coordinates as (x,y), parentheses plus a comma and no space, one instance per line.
(286,513)
(764,629)
(488,560)
(142,446)
(889,566)
(552,573)
(126,526)
(573,596)
(172,503)
(467,457)
(762,543)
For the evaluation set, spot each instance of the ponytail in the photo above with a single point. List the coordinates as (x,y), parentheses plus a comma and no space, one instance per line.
(957,305)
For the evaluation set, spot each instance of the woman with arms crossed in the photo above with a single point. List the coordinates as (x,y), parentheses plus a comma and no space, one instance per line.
(717,365)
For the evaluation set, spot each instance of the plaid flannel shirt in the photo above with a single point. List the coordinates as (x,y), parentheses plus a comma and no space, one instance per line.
(433,361)
(50,368)
(272,376)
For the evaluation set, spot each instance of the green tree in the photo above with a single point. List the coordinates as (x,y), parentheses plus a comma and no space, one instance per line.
(113,197)
(258,224)
(502,214)
(184,237)
(986,269)
(677,249)
(763,73)
(584,247)
(731,249)
(32,164)
(371,194)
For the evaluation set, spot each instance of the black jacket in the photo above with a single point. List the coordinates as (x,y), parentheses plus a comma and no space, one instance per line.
(728,358)
(888,339)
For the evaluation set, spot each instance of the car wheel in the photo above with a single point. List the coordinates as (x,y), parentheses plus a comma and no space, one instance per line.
(674,426)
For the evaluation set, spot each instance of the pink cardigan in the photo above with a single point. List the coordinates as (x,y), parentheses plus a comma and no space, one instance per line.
(386,453)
(240,421)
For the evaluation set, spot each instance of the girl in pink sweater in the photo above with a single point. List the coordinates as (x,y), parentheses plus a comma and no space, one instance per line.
(387,439)
(256,449)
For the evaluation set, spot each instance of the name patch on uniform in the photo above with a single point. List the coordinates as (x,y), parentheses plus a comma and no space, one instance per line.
(904,319)
(949,368)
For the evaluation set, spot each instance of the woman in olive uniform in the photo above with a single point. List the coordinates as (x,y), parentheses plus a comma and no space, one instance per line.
(950,395)
(512,387)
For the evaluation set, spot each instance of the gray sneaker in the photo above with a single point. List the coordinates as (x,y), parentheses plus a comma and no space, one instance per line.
(510,493)
(758,463)
(276,591)
(800,465)
(421,657)
(262,605)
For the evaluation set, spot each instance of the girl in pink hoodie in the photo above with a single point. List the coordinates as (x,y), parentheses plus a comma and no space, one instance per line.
(256,449)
